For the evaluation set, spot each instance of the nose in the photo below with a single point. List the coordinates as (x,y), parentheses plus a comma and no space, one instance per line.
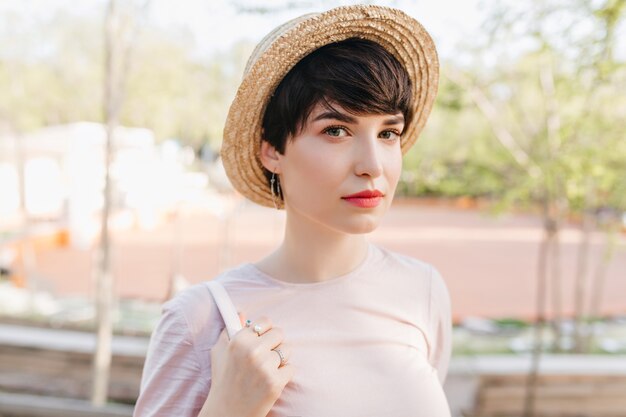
(368,159)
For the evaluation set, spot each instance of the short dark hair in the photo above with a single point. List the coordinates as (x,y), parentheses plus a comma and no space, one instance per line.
(358,74)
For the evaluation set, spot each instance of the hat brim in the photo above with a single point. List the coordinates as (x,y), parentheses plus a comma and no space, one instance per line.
(393,29)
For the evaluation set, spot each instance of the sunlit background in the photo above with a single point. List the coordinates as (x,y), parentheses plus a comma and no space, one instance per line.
(515,191)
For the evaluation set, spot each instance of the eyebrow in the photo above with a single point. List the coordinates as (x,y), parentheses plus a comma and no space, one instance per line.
(346,118)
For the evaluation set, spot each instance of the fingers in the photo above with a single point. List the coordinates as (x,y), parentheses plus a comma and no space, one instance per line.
(269,338)
(284,351)
(272,338)
(264,324)
(286,373)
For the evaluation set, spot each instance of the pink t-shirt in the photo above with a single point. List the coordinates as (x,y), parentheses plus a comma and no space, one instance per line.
(373,342)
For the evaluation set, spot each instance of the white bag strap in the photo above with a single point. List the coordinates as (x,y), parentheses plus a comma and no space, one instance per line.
(226,307)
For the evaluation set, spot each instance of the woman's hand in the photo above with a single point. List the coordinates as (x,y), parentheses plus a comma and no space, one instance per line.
(246,375)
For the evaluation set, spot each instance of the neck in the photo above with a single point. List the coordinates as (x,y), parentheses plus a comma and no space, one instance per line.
(311,252)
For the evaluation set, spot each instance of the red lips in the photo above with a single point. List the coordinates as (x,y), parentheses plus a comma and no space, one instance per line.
(365,194)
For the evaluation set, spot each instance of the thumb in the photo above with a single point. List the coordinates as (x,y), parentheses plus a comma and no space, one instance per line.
(242,318)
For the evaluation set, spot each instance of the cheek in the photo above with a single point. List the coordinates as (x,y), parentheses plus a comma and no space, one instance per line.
(313,164)
(393,166)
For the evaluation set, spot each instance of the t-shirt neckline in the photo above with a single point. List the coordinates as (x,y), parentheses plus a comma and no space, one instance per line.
(341,278)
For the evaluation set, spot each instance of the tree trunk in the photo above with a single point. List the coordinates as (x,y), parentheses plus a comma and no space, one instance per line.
(599,278)
(104,278)
(120,33)
(547,243)
(557,310)
(580,290)
(560,208)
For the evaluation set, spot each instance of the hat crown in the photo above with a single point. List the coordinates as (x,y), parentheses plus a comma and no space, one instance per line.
(268,39)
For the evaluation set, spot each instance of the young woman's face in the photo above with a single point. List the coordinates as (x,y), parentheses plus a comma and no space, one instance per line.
(338,154)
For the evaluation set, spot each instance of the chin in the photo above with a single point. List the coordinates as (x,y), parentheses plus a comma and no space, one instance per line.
(342,221)
(362,225)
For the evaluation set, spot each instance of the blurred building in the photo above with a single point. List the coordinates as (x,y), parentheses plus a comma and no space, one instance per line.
(63,175)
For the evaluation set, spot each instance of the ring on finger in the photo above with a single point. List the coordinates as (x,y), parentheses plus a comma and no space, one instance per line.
(282,358)
(257,329)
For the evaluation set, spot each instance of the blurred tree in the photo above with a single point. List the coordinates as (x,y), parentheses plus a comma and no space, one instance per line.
(554,97)
(120,32)
(168,90)
(178,97)
(455,155)
(50,70)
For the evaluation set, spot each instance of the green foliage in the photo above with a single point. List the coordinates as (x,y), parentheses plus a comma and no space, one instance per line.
(511,323)
(177,97)
(55,80)
(167,90)
(560,101)
(53,73)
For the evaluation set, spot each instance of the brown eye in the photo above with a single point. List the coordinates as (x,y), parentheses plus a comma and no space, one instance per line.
(390,134)
(335,131)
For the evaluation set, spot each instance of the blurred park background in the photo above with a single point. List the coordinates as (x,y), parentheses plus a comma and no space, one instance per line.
(113,198)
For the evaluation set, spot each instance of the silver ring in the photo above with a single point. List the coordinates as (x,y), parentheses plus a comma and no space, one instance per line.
(282,358)
(258,329)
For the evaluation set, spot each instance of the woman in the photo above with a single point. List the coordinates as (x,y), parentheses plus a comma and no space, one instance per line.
(336,326)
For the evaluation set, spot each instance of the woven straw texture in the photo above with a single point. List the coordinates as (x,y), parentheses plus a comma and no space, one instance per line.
(281,49)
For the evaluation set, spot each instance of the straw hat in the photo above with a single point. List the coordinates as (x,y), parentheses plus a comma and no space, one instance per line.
(282,48)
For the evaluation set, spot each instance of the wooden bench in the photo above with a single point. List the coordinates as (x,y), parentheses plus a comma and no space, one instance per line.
(556,395)
(58,363)
(65,374)
(24,405)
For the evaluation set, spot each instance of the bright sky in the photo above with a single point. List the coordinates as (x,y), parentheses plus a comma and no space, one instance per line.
(216,24)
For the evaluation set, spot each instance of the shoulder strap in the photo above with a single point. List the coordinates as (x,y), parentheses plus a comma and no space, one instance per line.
(226,307)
